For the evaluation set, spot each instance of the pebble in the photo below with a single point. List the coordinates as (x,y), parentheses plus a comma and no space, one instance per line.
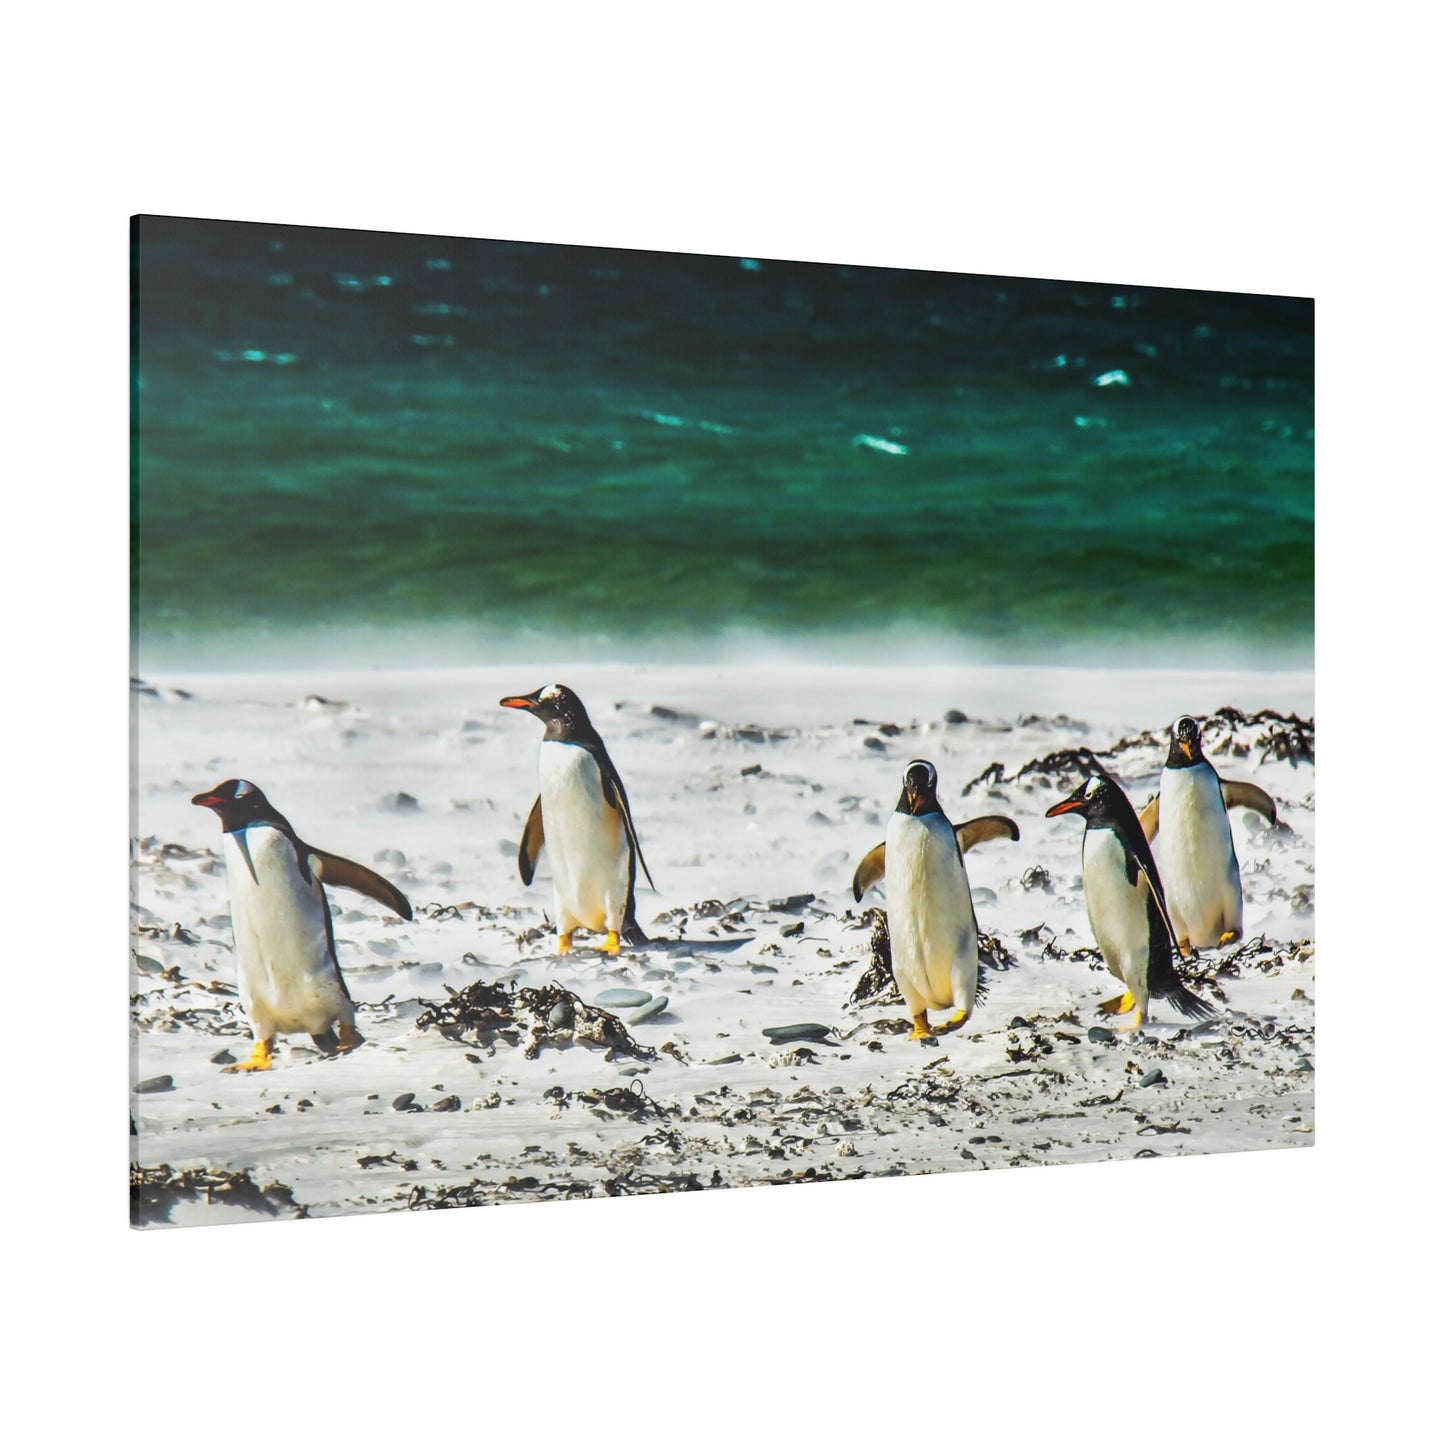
(752,770)
(954,717)
(404,1103)
(147,964)
(984,895)
(449,1105)
(1098,1035)
(561,1016)
(1154,1076)
(622,998)
(791,930)
(648,1010)
(394,856)
(224,1057)
(877,744)
(837,1089)
(727,1059)
(161,1084)
(1018,1023)
(400,803)
(787,1033)
(978,1139)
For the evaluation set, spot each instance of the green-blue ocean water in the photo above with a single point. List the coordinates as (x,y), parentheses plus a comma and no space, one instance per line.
(397,434)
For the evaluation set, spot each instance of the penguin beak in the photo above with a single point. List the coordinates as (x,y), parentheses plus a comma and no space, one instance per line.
(527,703)
(205,800)
(1069,805)
(1187,749)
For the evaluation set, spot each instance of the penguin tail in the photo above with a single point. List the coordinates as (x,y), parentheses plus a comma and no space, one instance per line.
(1164,980)
(632,933)
(1188,1003)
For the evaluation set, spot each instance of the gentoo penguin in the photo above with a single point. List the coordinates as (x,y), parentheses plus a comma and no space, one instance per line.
(1194,844)
(285,952)
(588,825)
(931,928)
(1125,903)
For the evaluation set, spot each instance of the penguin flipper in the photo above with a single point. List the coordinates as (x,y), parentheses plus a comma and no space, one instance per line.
(869,871)
(616,797)
(1138,860)
(531,844)
(344,873)
(981,830)
(1149,819)
(1246,795)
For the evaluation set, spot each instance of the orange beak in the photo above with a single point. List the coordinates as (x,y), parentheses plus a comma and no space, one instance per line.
(523,702)
(1069,805)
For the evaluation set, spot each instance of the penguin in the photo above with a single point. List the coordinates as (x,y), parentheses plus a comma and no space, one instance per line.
(286,964)
(1188,824)
(932,931)
(1125,901)
(583,816)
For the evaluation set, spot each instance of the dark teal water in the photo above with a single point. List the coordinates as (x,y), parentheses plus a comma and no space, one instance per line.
(403,435)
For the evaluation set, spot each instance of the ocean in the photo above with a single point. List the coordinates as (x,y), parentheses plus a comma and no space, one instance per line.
(429,449)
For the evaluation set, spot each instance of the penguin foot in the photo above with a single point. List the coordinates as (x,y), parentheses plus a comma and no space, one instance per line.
(347,1038)
(260,1059)
(1132,1022)
(922,1029)
(564,943)
(1186,949)
(1120,1005)
(611,944)
(1227,938)
(956,1022)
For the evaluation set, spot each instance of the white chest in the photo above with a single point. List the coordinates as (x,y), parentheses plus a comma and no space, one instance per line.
(1117,909)
(283,949)
(930,909)
(1194,836)
(585,835)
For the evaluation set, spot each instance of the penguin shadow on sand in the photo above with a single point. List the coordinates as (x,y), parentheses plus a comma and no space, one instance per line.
(932,928)
(584,820)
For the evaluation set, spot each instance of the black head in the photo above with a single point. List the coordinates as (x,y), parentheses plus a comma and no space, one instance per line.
(236,802)
(1101,800)
(1185,744)
(920,789)
(557,706)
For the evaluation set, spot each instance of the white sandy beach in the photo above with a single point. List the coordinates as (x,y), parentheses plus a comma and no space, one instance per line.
(750,788)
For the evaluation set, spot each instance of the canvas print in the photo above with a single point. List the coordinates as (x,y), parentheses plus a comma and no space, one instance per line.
(612,722)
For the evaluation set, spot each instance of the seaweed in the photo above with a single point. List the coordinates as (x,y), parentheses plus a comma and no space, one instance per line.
(552,1014)
(155,1192)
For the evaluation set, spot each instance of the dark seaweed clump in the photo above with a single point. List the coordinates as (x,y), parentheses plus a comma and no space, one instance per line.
(154,1193)
(551,1015)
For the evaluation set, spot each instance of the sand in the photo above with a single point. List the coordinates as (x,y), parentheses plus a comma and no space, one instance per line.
(751,789)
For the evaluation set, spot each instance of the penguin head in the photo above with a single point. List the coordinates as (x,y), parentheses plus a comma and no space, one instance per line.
(1185,744)
(1098,798)
(236,802)
(557,706)
(920,789)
